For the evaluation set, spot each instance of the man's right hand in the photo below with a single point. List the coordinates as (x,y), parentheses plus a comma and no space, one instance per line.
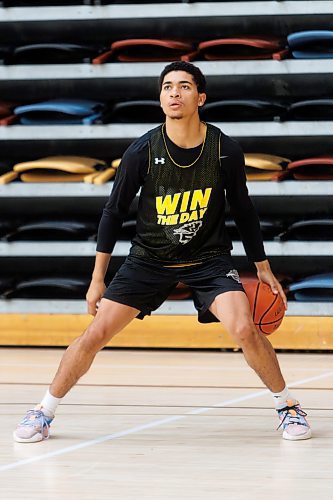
(94,294)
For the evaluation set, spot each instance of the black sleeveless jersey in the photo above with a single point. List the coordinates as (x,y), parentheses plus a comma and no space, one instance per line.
(182,201)
(181,207)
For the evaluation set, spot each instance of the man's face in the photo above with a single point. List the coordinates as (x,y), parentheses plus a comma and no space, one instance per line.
(179,95)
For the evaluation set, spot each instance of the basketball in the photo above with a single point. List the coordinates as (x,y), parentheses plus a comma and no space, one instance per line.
(267,308)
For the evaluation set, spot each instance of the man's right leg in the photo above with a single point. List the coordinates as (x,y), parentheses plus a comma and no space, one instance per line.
(111,318)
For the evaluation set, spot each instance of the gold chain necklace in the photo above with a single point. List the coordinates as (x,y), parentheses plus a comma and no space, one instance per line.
(173,161)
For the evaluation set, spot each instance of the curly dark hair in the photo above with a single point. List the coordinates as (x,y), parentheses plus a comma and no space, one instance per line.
(198,77)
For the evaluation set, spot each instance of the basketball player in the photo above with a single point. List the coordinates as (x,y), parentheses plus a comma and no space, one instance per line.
(184,169)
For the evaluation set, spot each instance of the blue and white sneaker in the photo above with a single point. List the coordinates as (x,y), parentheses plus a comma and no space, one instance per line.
(34,427)
(293,421)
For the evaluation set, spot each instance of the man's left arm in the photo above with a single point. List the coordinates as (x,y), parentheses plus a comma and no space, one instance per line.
(246,218)
(266,275)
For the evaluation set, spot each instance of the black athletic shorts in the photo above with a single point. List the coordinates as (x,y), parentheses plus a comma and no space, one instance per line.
(145,285)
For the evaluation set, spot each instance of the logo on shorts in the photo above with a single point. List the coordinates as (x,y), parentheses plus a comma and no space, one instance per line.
(187,231)
(233,273)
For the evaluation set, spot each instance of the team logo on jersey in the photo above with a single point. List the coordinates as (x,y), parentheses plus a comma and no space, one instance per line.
(159,161)
(187,231)
(185,210)
(179,208)
(233,273)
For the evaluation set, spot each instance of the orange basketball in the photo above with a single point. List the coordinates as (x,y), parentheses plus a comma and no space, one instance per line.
(266,307)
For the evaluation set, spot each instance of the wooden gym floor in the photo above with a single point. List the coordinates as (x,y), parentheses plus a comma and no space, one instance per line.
(154,424)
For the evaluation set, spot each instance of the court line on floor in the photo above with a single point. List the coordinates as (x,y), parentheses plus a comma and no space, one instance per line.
(14,364)
(150,425)
(143,386)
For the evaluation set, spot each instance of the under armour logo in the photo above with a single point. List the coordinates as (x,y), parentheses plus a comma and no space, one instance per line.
(159,160)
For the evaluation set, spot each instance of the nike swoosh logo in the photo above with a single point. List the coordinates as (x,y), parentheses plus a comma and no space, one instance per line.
(223,157)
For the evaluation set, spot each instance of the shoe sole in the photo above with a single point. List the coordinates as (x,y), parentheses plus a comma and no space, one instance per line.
(300,437)
(33,439)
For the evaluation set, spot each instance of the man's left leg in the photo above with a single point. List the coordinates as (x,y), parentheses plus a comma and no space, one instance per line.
(233,311)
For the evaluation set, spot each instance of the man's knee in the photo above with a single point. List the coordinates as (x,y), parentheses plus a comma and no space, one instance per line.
(244,333)
(96,336)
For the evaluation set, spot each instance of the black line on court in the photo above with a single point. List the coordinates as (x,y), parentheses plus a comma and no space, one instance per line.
(222,407)
(170,386)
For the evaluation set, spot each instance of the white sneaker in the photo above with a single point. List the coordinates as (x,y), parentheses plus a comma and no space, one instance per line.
(293,421)
(34,427)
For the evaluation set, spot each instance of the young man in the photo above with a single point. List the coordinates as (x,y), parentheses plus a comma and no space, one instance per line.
(184,168)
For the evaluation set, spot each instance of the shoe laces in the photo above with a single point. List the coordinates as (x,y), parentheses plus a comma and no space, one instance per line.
(36,418)
(292,415)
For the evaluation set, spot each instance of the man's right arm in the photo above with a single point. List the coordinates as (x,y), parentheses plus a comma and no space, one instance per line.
(130,177)
(97,286)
